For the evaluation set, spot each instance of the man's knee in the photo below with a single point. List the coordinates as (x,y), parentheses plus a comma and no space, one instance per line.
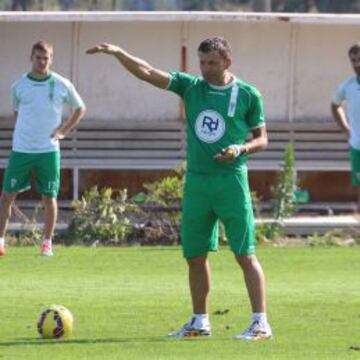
(197,261)
(49,202)
(247,261)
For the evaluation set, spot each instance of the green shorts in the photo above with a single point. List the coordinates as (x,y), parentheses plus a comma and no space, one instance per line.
(210,198)
(355,166)
(44,166)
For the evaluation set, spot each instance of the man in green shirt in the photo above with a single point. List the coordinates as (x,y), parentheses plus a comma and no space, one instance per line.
(220,111)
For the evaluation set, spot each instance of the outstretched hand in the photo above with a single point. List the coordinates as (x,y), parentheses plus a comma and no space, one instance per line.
(103,48)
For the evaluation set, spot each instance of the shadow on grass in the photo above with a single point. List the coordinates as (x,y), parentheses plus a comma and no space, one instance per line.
(41,342)
(161,248)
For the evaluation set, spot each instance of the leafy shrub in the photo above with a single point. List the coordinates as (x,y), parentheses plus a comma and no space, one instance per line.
(103,216)
(282,198)
(165,194)
(283,192)
(162,207)
(167,191)
(332,238)
(266,232)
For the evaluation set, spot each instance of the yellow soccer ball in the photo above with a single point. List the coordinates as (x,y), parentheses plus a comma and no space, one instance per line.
(55,322)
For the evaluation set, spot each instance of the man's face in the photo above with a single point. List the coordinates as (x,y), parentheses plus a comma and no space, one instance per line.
(355,62)
(41,61)
(213,66)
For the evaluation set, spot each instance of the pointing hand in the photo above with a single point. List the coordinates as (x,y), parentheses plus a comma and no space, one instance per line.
(103,48)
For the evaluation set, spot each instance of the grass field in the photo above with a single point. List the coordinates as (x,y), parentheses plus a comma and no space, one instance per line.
(126,299)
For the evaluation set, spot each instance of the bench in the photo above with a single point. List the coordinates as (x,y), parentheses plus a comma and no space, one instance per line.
(148,145)
(113,145)
(119,145)
(319,146)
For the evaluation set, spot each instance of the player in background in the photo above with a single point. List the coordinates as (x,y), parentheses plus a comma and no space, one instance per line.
(349,122)
(220,111)
(38,98)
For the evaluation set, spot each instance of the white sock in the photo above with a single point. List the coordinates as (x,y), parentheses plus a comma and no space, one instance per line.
(261,318)
(2,242)
(201,321)
(46,242)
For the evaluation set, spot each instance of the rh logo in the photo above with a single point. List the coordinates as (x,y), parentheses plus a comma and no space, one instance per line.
(209,126)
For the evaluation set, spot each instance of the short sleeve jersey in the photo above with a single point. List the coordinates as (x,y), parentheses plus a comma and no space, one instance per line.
(39,104)
(349,92)
(217,117)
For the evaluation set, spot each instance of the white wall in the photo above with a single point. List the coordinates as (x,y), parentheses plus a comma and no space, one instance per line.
(111,92)
(321,64)
(295,61)
(16,40)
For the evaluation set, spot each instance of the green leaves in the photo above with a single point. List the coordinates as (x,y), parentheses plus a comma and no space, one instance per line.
(283,193)
(101,215)
(283,199)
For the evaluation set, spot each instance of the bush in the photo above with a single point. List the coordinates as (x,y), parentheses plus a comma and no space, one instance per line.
(167,191)
(101,216)
(283,192)
(161,205)
(332,238)
(282,199)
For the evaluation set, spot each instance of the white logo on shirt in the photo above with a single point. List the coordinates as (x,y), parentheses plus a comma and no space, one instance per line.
(13,182)
(51,185)
(209,126)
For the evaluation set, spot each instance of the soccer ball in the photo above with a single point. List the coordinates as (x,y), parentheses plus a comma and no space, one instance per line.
(55,322)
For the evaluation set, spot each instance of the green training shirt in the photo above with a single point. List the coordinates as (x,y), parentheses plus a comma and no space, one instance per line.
(39,104)
(217,117)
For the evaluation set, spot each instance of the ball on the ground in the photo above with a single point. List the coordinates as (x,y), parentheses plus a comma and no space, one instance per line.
(55,322)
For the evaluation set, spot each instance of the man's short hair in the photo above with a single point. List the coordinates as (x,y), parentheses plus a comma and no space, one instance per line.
(42,46)
(216,43)
(354,49)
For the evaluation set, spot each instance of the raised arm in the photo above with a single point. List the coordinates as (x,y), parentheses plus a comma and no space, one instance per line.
(138,67)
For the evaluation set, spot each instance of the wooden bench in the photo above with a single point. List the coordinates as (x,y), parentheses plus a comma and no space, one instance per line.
(319,146)
(100,145)
(113,145)
(152,145)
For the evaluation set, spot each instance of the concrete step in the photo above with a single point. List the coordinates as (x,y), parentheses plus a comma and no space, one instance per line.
(308,225)
(17,226)
(295,226)
(322,207)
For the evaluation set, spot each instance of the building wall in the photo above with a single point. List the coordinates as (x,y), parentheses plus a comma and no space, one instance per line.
(295,61)
(296,64)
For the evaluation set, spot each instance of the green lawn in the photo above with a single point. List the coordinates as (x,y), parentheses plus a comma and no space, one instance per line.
(126,299)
